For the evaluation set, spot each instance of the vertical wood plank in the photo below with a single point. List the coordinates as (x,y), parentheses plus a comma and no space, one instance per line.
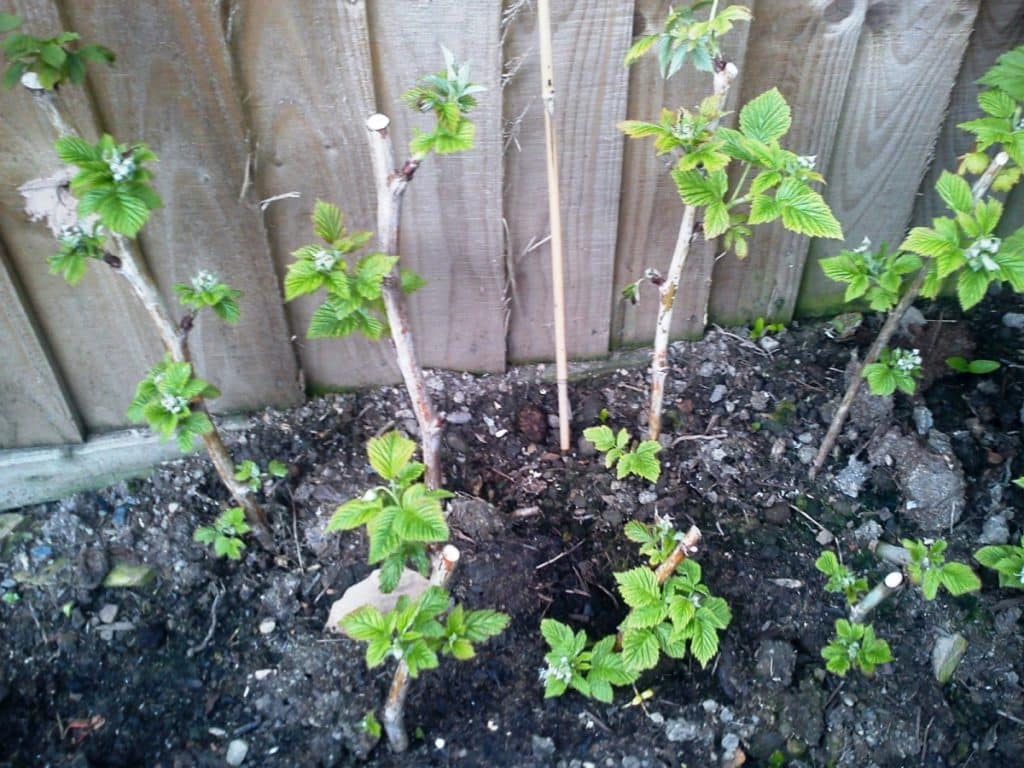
(650,209)
(907,61)
(35,408)
(806,48)
(590,38)
(307,113)
(96,332)
(451,217)
(175,91)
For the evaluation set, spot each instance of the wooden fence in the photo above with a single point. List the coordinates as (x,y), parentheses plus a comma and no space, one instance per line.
(245,100)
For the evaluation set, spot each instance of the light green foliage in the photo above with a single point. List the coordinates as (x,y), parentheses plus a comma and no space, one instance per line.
(762,327)
(840,578)
(249,473)
(929,570)
(855,645)
(55,60)
(10,597)
(225,535)
(1019,481)
(977,367)
(640,460)
(685,36)
(401,517)
(78,242)
(450,96)
(416,632)
(1002,126)
(112,181)
(1006,559)
(353,290)
(206,290)
(875,276)
(677,617)
(167,398)
(371,725)
(895,369)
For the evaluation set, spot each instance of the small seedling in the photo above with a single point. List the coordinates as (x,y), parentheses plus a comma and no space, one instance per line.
(928,569)
(54,60)
(684,35)
(640,460)
(840,578)
(10,597)
(78,243)
(249,473)
(225,535)
(657,540)
(401,517)
(1007,560)
(761,327)
(977,367)
(569,665)
(166,400)
(449,95)
(895,369)
(67,608)
(371,725)
(855,645)
(1019,481)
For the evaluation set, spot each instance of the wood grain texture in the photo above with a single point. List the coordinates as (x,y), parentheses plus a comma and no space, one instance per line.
(805,48)
(307,114)
(451,217)
(175,91)
(906,64)
(99,338)
(589,38)
(650,208)
(36,409)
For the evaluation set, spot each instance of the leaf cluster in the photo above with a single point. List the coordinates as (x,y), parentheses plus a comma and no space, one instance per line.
(225,535)
(895,369)
(249,472)
(54,60)
(167,399)
(876,276)
(112,181)
(450,95)
(762,327)
(684,36)
(855,645)
(415,632)
(1007,560)
(354,300)
(78,242)
(977,367)
(640,460)
(928,569)
(657,540)
(1002,126)
(206,290)
(840,578)
(570,665)
(401,517)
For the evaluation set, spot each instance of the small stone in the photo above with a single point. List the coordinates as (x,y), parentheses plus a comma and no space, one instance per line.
(108,613)
(681,730)
(237,750)
(768,344)
(995,531)
(267,626)
(805,438)
(806,454)
(946,655)
(824,538)
(868,532)
(126,575)
(459,417)
(718,393)
(543,746)
(646,497)
(262,674)
(706,370)
(1014,320)
(851,478)
(923,420)
(759,400)
(730,743)
(40,553)
(631,761)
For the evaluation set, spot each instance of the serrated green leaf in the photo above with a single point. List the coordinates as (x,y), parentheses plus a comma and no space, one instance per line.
(805,211)
(955,192)
(1007,74)
(971,287)
(558,635)
(389,453)
(959,579)
(486,623)
(328,221)
(766,118)
(640,649)
(602,437)
(420,517)
(365,624)
(638,532)
(639,587)
(704,643)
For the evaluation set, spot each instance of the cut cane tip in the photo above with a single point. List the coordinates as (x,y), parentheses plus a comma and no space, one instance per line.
(451,553)
(894,580)
(378,122)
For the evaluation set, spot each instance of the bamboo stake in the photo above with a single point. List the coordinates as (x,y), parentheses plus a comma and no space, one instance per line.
(725,73)
(547,71)
(394,708)
(391,185)
(981,186)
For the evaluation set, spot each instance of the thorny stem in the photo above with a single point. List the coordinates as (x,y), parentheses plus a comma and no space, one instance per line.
(394,707)
(892,322)
(135,272)
(391,185)
(724,75)
(891,584)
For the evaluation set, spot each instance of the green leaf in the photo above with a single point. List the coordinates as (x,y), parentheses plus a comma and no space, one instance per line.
(75,151)
(558,635)
(638,532)
(805,211)
(880,379)
(602,437)
(716,220)
(971,287)
(697,189)
(639,587)
(328,221)
(763,209)
(766,118)
(420,517)
(642,462)
(366,624)
(959,579)
(353,514)
(409,281)
(955,192)
(371,273)
(389,453)
(9,21)
(486,623)
(930,582)
(420,657)
(1007,74)
(636,50)
(704,643)
(997,103)
(640,649)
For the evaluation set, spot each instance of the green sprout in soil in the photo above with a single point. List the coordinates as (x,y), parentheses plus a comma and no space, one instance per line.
(402,516)
(249,472)
(10,597)
(840,578)
(225,535)
(875,276)
(53,60)
(895,369)
(976,367)
(762,327)
(1005,559)
(371,725)
(928,569)
(855,645)
(640,459)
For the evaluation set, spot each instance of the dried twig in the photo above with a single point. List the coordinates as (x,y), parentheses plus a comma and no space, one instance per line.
(192,651)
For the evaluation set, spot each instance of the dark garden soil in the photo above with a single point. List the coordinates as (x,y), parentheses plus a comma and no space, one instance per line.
(95,676)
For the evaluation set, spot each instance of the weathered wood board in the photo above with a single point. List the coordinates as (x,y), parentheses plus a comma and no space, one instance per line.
(805,48)
(309,137)
(589,40)
(175,91)
(907,61)
(650,209)
(451,217)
